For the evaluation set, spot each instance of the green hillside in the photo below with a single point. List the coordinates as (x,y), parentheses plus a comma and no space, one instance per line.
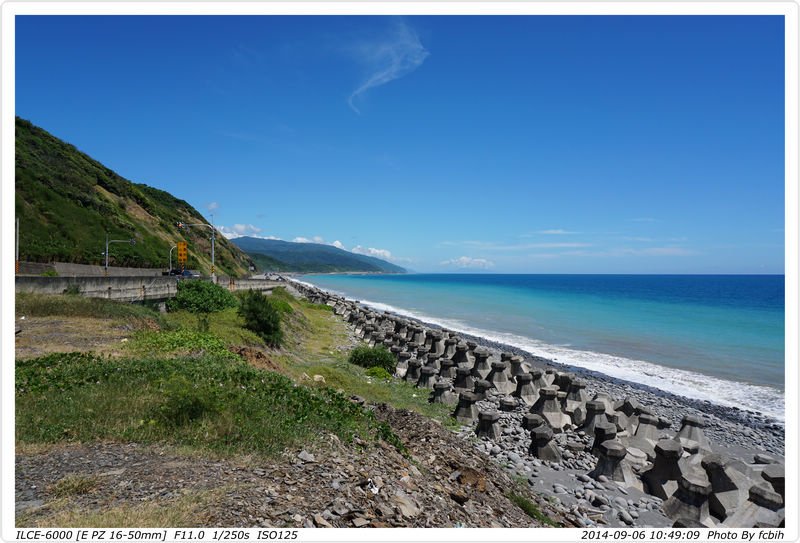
(66,202)
(277,255)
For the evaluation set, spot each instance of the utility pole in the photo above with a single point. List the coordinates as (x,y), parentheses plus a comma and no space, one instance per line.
(132,241)
(16,252)
(170,257)
(213,237)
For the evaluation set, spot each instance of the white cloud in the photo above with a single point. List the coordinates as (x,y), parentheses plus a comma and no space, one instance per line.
(338,244)
(301,239)
(397,54)
(240,230)
(371,251)
(213,206)
(468,262)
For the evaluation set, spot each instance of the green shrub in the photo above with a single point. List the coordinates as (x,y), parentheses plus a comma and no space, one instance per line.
(49,273)
(201,298)
(369,357)
(261,317)
(378,373)
(72,290)
(184,402)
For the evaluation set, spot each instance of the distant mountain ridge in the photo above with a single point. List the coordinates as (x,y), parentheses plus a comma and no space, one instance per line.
(278,255)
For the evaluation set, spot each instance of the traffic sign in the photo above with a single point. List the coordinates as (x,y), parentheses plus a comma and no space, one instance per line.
(182,252)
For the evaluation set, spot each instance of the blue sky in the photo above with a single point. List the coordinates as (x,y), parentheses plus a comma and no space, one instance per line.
(504,144)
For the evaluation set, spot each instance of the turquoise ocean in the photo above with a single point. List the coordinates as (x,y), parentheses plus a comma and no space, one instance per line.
(710,337)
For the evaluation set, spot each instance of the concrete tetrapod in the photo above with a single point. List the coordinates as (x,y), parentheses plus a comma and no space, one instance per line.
(690,501)
(661,480)
(464,380)
(525,391)
(413,373)
(729,488)
(461,359)
(466,410)
(763,508)
(602,432)
(447,368)
(531,421)
(499,378)
(542,446)
(611,463)
(518,366)
(547,406)
(539,381)
(443,394)
(481,368)
(427,377)
(775,475)
(402,364)
(482,388)
(489,425)
(575,402)
(692,432)
(646,435)
(595,414)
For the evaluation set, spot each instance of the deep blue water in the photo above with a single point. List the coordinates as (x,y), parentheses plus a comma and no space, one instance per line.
(714,337)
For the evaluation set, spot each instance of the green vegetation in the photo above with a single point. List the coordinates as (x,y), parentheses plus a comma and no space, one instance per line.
(370,357)
(74,485)
(530,509)
(180,342)
(66,202)
(49,273)
(262,317)
(201,298)
(378,373)
(208,402)
(41,305)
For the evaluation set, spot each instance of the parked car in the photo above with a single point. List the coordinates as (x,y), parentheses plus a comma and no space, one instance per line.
(190,274)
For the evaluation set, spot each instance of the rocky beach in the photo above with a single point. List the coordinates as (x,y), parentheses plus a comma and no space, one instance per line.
(604,451)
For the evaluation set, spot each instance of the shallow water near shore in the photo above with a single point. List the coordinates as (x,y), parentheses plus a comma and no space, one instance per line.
(715,338)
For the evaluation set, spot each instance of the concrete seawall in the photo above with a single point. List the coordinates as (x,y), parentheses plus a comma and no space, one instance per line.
(127,289)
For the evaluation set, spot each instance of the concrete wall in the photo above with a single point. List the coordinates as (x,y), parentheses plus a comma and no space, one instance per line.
(67,269)
(127,289)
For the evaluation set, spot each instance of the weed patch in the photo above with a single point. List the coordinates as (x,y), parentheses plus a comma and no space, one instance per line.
(370,357)
(73,485)
(530,509)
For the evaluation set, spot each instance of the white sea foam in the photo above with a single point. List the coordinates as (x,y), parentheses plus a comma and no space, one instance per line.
(760,399)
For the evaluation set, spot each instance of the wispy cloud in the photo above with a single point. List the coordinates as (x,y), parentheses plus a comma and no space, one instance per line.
(468,262)
(338,244)
(629,251)
(556,232)
(496,246)
(213,206)
(396,54)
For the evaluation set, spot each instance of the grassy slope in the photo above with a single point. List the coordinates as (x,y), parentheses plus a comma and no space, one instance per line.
(66,201)
(179,387)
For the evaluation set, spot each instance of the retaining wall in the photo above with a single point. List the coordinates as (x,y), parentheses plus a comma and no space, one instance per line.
(127,289)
